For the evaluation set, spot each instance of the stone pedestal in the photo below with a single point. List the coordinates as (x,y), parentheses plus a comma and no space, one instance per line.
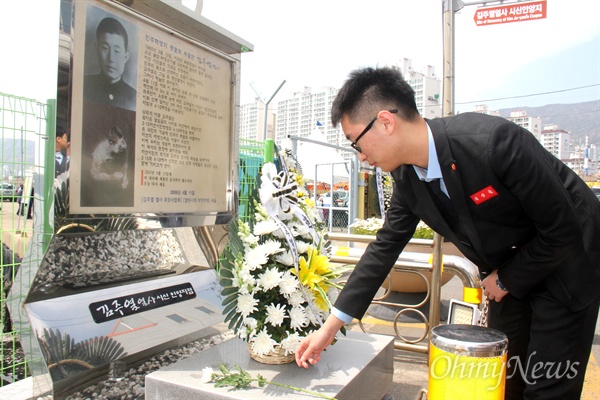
(358,366)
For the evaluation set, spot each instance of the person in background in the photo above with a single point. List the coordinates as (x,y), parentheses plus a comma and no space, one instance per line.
(61,158)
(19,194)
(528,222)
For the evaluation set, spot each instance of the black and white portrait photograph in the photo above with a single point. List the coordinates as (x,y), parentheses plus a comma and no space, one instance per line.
(110,66)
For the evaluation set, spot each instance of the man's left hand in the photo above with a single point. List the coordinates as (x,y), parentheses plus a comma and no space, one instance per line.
(490,289)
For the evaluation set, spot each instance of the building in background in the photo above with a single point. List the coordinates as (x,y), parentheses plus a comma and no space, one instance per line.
(556,141)
(584,160)
(251,122)
(484,109)
(532,124)
(306,111)
(427,87)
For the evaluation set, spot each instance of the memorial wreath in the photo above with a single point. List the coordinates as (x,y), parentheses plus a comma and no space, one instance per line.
(275,274)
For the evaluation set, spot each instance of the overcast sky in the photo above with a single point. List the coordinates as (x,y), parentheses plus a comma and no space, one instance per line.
(317,43)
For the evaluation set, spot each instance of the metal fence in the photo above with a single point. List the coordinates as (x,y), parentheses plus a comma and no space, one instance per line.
(22,155)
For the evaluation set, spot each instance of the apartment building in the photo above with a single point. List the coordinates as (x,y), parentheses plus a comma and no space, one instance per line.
(427,87)
(532,124)
(305,111)
(251,121)
(556,141)
(484,109)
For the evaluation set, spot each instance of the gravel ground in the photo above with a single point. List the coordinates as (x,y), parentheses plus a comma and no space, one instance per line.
(13,358)
(132,385)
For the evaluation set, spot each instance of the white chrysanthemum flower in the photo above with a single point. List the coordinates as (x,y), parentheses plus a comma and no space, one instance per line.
(289,283)
(262,343)
(275,314)
(298,318)
(246,304)
(314,215)
(256,258)
(285,258)
(250,322)
(278,234)
(300,230)
(296,299)
(290,343)
(314,319)
(250,240)
(270,278)
(265,227)
(243,280)
(248,331)
(206,375)
(271,247)
(302,246)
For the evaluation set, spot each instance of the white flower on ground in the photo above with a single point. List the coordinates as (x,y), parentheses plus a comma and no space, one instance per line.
(256,258)
(262,343)
(285,258)
(270,278)
(246,303)
(265,227)
(298,318)
(289,283)
(275,314)
(206,375)
(290,343)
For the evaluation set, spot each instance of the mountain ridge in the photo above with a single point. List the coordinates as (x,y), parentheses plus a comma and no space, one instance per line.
(580,119)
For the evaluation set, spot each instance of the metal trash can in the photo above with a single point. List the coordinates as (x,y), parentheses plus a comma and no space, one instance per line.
(466,362)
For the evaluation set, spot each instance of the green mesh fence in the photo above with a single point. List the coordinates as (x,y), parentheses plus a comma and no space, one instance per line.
(251,160)
(22,155)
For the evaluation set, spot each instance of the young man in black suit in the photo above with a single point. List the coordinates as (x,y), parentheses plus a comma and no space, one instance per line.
(529,223)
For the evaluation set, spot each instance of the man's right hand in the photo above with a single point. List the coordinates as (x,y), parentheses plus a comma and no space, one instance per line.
(309,350)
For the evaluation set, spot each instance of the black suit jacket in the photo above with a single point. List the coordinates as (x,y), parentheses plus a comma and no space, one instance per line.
(539,223)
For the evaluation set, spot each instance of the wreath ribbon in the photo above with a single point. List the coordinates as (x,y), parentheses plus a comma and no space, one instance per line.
(278,196)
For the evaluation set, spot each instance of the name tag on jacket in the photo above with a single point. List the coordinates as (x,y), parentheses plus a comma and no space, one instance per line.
(484,195)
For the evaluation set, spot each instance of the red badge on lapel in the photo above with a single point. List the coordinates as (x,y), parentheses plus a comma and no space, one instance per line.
(484,195)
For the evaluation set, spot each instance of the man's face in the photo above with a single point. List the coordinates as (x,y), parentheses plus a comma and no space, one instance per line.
(61,142)
(112,55)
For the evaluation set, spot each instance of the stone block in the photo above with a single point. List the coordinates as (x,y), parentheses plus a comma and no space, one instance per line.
(359,366)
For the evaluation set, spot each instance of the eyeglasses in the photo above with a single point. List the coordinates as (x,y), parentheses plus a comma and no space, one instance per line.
(369,126)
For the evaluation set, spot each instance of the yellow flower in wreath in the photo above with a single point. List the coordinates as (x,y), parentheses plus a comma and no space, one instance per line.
(315,273)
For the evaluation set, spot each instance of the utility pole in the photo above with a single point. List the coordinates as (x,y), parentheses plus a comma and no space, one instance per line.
(449,8)
(266,104)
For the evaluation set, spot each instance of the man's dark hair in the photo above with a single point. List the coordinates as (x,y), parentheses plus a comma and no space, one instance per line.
(370,90)
(111,25)
(61,131)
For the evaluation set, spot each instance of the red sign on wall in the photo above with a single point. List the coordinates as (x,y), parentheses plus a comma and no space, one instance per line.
(515,12)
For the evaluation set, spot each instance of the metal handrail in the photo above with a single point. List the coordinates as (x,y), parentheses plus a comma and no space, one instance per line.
(417,263)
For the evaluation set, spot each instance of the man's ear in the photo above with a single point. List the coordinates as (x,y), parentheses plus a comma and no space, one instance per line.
(127,55)
(387,120)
